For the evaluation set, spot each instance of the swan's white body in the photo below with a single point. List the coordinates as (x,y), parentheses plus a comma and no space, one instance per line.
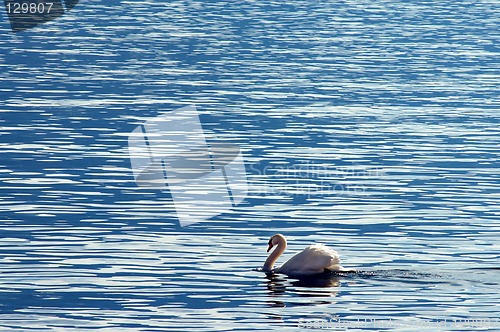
(315,259)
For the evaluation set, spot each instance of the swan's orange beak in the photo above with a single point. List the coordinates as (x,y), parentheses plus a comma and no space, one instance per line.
(270,245)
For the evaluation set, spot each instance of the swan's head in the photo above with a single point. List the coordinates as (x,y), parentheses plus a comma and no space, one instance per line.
(275,240)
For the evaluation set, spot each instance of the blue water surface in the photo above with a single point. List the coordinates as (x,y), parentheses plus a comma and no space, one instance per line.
(370,126)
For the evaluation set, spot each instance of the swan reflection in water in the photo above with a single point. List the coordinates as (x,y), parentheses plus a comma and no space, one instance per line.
(320,289)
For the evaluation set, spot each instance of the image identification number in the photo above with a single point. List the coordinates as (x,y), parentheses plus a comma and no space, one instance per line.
(29,7)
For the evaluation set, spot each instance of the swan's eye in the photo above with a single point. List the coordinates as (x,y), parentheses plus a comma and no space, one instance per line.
(270,242)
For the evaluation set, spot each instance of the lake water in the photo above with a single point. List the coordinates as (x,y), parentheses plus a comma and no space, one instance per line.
(370,126)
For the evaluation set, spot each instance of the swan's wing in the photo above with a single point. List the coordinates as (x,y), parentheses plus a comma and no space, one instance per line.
(312,260)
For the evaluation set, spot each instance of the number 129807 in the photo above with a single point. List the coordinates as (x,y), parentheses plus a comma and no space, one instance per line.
(29,7)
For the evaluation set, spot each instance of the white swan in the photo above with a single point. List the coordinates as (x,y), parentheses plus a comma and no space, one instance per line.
(315,259)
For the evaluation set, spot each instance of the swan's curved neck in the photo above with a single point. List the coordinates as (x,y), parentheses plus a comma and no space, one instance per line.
(273,257)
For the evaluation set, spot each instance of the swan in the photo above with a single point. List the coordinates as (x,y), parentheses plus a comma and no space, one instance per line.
(315,259)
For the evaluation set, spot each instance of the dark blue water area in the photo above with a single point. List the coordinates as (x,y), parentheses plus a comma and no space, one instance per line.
(369,126)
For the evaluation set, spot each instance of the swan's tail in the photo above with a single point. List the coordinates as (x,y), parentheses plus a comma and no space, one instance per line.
(339,268)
